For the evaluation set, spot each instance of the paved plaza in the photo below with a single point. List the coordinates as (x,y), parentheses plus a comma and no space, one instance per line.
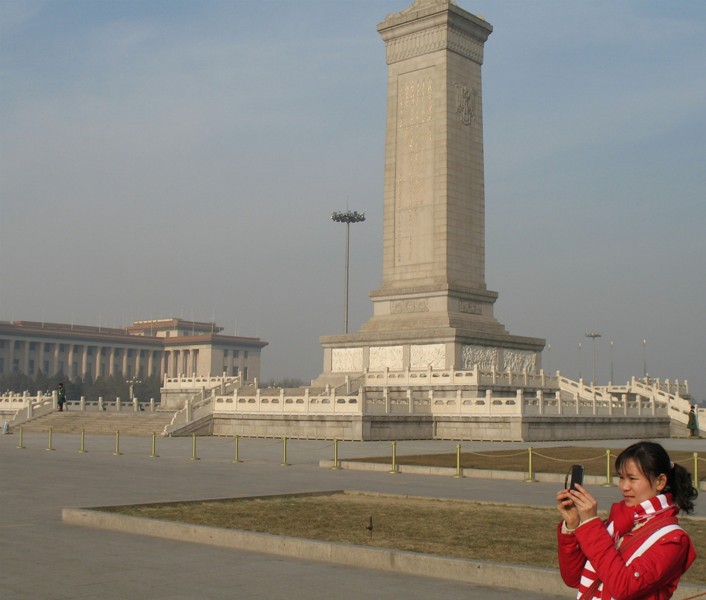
(46,559)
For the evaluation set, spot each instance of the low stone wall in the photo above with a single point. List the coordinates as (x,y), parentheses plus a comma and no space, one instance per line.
(329,427)
(425,427)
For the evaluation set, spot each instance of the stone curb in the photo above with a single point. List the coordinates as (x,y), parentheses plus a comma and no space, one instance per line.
(468,571)
(519,577)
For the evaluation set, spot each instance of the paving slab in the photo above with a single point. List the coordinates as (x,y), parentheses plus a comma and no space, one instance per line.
(45,558)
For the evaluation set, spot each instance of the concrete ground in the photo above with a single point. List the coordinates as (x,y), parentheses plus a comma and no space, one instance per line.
(43,558)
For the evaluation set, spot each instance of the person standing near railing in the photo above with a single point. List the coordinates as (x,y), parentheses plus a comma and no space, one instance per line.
(693,424)
(61,397)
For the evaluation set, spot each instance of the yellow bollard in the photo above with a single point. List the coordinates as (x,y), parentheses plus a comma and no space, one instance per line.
(19,445)
(193,447)
(336,463)
(117,443)
(284,450)
(459,473)
(696,470)
(608,479)
(82,449)
(531,478)
(50,447)
(236,440)
(154,445)
(394,469)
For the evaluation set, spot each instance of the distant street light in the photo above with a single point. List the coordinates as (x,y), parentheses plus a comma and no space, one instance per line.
(593,336)
(347,217)
(611,362)
(644,359)
(579,361)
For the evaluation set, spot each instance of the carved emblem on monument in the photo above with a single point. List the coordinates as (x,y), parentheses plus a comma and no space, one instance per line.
(465,103)
(346,360)
(428,355)
(518,361)
(486,358)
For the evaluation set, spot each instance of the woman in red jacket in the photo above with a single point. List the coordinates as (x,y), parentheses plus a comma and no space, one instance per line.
(640,552)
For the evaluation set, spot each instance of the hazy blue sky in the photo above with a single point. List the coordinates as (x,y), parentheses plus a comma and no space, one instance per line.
(181,158)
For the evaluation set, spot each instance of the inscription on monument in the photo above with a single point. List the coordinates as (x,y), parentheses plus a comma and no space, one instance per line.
(409,306)
(414,193)
(473,308)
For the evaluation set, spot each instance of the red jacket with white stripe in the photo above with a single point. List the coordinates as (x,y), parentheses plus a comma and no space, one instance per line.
(652,576)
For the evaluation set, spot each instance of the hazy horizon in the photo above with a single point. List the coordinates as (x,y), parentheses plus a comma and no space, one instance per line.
(182,159)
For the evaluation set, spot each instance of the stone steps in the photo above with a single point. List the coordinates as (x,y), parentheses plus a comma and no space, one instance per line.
(95,423)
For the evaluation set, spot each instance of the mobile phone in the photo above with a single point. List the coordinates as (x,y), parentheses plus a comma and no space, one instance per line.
(576,476)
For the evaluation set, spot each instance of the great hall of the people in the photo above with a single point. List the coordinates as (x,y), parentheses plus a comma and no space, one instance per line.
(154,348)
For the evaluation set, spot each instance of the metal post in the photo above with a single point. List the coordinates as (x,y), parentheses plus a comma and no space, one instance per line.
(19,445)
(284,452)
(193,447)
(394,469)
(83,441)
(459,473)
(336,463)
(117,443)
(531,478)
(154,445)
(696,470)
(50,447)
(236,440)
(608,479)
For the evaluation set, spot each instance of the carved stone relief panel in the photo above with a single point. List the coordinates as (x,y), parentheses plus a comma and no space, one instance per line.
(409,306)
(386,356)
(518,361)
(486,358)
(345,360)
(422,357)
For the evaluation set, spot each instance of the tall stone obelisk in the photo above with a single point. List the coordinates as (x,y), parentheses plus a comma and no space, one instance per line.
(433,308)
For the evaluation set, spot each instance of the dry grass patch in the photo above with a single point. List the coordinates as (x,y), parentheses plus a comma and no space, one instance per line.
(499,533)
(544,460)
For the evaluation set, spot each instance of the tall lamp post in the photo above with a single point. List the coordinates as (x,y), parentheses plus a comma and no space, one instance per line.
(593,336)
(644,359)
(347,217)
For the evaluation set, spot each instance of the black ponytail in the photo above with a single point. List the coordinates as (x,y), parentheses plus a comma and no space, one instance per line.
(652,459)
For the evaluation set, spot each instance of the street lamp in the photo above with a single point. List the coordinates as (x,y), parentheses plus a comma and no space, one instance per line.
(611,362)
(347,217)
(593,336)
(644,359)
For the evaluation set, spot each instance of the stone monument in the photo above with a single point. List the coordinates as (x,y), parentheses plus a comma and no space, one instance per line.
(433,309)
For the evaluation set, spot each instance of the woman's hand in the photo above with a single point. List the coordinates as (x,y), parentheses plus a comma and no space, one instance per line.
(586,505)
(567,509)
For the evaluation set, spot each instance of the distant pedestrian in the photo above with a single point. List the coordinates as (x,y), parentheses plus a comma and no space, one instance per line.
(693,423)
(61,396)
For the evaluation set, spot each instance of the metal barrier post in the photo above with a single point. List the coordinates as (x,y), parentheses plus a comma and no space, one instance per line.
(608,480)
(83,441)
(117,443)
(336,463)
(50,447)
(696,470)
(193,447)
(459,473)
(19,445)
(154,445)
(394,469)
(236,440)
(284,450)
(531,478)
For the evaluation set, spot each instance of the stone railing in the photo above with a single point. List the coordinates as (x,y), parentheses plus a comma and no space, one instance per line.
(474,377)
(284,401)
(186,382)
